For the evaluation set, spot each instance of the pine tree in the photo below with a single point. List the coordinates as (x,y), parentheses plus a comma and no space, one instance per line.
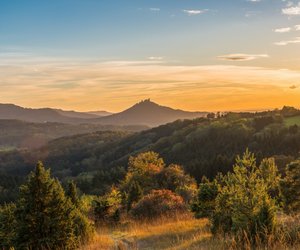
(244,205)
(72,193)
(205,203)
(45,216)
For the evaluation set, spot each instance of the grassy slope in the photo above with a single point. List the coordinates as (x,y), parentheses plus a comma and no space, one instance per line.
(292,121)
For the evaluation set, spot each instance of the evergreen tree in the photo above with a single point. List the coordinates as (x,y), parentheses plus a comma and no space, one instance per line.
(45,216)
(291,187)
(7,226)
(73,194)
(205,203)
(244,205)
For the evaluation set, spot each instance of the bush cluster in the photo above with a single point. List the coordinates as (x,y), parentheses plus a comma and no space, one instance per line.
(246,202)
(149,189)
(158,203)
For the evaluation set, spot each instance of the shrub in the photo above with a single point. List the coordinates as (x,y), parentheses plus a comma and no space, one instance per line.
(107,207)
(134,195)
(142,169)
(205,204)
(244,205)
(175,179)
(158,203)
(147,172)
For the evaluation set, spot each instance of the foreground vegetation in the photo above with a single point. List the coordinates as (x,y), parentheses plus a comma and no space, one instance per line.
(181,233)
(156,206)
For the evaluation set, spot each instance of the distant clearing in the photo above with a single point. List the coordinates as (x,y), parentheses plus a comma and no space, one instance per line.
(6,149)
(290,121)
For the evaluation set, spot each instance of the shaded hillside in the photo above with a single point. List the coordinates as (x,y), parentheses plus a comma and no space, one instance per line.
(20,134)
(150,114)
(14,112)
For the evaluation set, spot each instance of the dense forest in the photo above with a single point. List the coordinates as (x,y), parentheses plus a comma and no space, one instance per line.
(204,147)
(249,207)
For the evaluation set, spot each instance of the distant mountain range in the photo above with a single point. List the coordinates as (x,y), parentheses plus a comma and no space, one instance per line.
(145,113)
(14,112)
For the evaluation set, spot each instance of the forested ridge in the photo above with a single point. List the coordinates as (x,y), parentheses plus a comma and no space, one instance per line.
(17,134)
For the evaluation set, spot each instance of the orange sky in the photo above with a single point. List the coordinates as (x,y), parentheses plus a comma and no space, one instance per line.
(116,85)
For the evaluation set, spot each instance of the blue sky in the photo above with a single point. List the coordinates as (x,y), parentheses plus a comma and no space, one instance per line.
(112,29)
(59,33)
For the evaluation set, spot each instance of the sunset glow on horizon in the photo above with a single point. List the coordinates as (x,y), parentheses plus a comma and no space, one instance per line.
(192,55)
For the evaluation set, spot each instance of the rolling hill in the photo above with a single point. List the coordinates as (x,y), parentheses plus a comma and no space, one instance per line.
(14,112)
(150,114)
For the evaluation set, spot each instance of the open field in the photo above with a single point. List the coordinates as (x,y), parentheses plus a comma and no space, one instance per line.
(6,149)
(292,121)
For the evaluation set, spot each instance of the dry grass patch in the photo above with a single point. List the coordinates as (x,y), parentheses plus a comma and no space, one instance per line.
(164,234)
(181,233)
(101,241)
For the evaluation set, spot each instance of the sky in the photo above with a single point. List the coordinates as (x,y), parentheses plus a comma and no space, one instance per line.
(204,55)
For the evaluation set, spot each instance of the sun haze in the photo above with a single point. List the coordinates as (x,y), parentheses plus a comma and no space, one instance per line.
(193,55)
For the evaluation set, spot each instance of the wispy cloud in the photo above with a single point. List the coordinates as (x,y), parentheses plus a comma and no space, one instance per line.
(292,10)
(155,9)
(283,30)
(155,58)
(241,57)
(194,12)
(297,27)
(114,85)
(287,42)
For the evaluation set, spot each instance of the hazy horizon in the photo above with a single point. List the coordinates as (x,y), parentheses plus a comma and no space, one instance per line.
(190,55)
(127,107)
